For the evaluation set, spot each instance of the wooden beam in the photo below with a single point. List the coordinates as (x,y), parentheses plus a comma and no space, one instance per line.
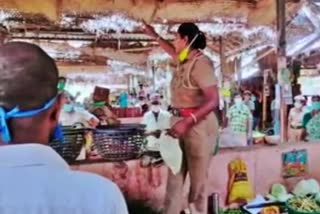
(65,69)
(255,60)
(3,35)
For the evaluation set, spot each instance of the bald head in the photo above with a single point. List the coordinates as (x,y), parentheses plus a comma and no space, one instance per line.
(28,76)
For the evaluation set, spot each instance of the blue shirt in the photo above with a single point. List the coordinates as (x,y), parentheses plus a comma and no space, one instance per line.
(35,179)
(123,100)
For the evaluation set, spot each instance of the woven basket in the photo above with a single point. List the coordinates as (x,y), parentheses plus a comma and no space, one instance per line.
(291,210)
(72,143)
(119,143)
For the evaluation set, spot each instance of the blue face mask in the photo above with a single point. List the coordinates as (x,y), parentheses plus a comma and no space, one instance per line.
(68,108)
(16,113)
(57,134)
(315,105)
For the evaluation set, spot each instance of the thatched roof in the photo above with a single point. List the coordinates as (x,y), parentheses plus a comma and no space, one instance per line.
(93,31)
(258,12)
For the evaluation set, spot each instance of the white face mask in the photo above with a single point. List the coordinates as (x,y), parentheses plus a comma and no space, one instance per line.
(237,101)
(298,105)
(155,108)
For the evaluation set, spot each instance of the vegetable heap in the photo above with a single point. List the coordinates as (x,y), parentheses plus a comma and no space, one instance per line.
(231,211)
(279,193)
(304,204)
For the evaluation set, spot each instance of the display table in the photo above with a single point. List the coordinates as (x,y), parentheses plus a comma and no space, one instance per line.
(148,184)
(129,112)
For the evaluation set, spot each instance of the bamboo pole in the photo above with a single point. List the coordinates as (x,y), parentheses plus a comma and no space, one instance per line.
(266,93)
(153,69)
(281,29)
(222,69)
(3,35)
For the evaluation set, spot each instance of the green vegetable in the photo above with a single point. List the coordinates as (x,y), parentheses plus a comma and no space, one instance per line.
(278,190)
(231,211)
(279,193)
(303,204)
(317,197)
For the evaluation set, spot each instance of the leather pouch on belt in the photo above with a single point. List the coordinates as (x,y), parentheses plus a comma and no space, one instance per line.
(240,189)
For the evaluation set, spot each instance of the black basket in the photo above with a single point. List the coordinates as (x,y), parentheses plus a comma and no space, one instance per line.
(119,143)
(73,140)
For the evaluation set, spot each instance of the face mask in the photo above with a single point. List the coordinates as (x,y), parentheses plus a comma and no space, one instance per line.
(237,101)
(79,108)
(298,105)
(57,134)
(61,86)
(155,108)
(315,105)
(253,98)
(68,108)
(183,55)
(247,98)
(16,113)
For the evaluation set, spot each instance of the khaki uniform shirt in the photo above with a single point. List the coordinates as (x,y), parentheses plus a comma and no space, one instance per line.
(188,81)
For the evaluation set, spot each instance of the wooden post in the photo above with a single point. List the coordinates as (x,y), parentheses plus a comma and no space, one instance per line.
(129,83)
(3,35)
(153,68)
(238,70)
(222,57)
(222,69)
(281,55)
(266,94)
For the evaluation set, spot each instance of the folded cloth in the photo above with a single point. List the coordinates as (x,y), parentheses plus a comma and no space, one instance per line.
(171,152)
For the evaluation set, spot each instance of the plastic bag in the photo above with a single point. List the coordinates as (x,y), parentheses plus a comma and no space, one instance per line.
(306,187)
(171,153)
(240,189)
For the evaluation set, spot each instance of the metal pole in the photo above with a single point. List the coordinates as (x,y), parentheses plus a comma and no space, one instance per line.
(153,68)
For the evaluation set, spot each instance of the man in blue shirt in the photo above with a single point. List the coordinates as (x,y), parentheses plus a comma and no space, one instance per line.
(34,178)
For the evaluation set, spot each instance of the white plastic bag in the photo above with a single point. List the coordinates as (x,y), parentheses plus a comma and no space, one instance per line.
(171,153)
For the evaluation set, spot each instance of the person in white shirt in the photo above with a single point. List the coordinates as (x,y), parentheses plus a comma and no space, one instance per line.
(71,115)
(156,120)
(34,178)
(77,115)
(295,118)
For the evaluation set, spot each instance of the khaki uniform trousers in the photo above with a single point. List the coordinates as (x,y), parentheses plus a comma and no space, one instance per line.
(197,146)
(295,135)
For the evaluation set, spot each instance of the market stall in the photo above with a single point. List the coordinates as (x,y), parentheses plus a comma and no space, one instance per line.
(98,47)
(264,166)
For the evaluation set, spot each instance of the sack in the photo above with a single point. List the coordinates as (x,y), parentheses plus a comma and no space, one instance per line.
(240,189)
(230,139)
